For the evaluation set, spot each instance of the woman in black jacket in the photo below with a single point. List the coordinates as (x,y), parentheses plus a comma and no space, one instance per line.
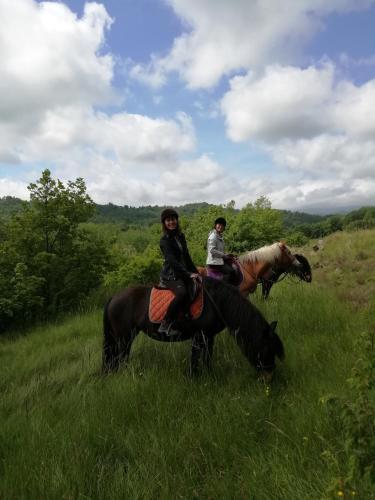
(178,268)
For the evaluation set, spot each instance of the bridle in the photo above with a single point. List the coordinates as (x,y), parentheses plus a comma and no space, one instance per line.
(260,366)
(299,274)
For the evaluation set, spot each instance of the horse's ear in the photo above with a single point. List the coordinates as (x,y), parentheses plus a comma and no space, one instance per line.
(282,245)
(278,346)
(273,326)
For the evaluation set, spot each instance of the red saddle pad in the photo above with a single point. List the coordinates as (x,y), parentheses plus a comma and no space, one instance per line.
(160,300)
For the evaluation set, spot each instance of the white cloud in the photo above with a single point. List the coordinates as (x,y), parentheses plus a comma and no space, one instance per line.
(307,120)
(184,181)
(284,102)
(352,109)
(294,103)
(151,74)
(57,71)
(335,154)
(51,58)
(54,74)
(228,36)
(127,138)
(325,195)
(199,179)
(10,187)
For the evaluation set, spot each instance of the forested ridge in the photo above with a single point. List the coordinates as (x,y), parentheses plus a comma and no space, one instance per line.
(149,214)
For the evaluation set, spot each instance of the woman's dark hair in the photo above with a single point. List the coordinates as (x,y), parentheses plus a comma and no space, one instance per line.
(220,220)
(169,212)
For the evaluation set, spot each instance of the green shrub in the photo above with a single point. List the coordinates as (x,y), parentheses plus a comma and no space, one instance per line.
(357,418)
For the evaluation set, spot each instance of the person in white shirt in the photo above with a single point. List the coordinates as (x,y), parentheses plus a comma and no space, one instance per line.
(217,259)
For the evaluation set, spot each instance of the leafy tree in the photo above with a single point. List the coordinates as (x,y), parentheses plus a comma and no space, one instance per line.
(49,262)
(139,269)
(256,225)
(296,238)
(198,227)
(59,209)
(20,291)
(61,249)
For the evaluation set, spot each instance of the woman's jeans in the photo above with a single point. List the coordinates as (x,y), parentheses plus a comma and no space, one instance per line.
(179,288)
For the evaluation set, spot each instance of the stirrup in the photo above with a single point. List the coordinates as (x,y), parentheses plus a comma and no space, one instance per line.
(171,332)
(168,329)
(164,327)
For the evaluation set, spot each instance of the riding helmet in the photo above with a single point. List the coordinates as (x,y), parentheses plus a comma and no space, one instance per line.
(220,220)
(168,212)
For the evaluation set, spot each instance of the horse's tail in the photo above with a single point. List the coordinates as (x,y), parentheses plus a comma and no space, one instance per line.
(110,348)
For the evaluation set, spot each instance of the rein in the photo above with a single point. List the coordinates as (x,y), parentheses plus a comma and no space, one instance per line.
(282,277)
(285,274)
(215,307)
(258,365)
(245,271)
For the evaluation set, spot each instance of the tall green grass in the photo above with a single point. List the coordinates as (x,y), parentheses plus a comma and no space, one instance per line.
(149,431)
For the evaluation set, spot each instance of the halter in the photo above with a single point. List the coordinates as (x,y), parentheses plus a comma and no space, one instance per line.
(281,277)
(260,366)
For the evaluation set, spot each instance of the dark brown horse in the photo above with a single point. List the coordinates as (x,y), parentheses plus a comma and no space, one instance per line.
(274,274)
(126,314)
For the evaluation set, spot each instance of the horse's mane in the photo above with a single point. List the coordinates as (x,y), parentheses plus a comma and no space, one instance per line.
(237,310)
(269,253)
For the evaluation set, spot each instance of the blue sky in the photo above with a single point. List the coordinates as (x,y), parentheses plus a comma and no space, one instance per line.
(178,101)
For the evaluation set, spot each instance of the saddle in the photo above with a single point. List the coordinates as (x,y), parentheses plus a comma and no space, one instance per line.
(160,299)
(218,275)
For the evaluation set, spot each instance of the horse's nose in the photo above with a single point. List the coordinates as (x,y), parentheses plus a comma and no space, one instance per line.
(266,376)
(297,263)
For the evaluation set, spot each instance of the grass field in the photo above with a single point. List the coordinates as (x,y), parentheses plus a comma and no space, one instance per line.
(150,432)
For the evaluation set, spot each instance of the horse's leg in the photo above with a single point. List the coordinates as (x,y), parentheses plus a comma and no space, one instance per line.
(266,288)
(208,350)
(117,342)
(110,345)
(110,355)
(125,345)
(196,349)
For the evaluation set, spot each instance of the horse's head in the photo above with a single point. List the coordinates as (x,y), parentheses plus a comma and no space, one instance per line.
(270,347)
(304,271)
(287,259)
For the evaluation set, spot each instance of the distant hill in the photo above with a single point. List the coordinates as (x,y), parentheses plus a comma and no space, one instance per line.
(140,215)
(293,219)
(9,206)
(150,214)
(146,215)
(111,213)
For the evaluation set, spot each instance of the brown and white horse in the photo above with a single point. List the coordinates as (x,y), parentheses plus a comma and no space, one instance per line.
(256,263)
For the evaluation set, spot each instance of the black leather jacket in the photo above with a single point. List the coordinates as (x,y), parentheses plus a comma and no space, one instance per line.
(177,261)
